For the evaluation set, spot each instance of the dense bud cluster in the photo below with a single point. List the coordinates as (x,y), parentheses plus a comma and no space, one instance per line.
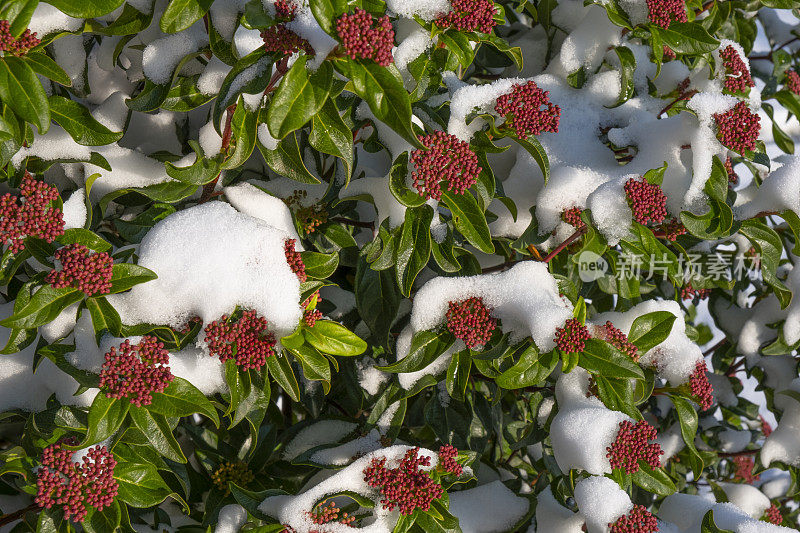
(469,15)
(617,338)
(444,159)
(766,428)
(639,520)
(665,12)
(31,215)
(733,177)
(310,317)
(572,337)
(688,292)
(773,515)
(86,271)
(447,460)
(647,200)
(793,81)
(246,340)
(231,471)
(285,9)
(701,388)
(632,445)
(17,46)
(283,41)
(737,75)
(743,469)
(76,485)
(669,53)
(294,259)
(365,37)
(136,371)
(406,487)
(308,217)
(572,216)
(672,229)
(738,128)
(528,111)
(471,321)
(325,514)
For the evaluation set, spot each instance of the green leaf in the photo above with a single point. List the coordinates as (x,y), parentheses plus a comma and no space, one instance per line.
(653,480)
(770,247)
(180,14)
(602,358)
(687,417)
(650,330)
(318,265)
(426,346)
(44,66)
(21,90)
(184,94)
(627,63)
(250,75)
(126,275)
(86,238)
(140,485)
(158,432)
(315,366)
(469,219)
(531,369)
(686,38)
(709,526)
(325,11)
(80,124)
(106,415)
(104,521)
(85,9)
(19,13)
(244,130)
(535,148)
(335,339)
(382,88)
(299,97)
(130,22)
(181,398)
(43,307)
(414,248)
(287,160)
(458,374)
(201,171)
(377,298)
(281,371)
(330,135)
(459,44)
(397,183)
(104,318)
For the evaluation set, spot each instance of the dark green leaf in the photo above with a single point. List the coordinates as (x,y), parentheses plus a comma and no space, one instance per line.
(181,398)
(650,330)
(180,14)
(80,124)
(414,248)
(426,346)
(299,97)
(21,90)
(469,219)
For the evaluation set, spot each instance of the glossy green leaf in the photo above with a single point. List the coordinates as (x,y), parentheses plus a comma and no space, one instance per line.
(469,219)
(21,90)
(333,338)
(299,96)
(80,124)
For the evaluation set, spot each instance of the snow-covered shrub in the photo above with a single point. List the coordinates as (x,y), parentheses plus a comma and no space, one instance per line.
(399,266)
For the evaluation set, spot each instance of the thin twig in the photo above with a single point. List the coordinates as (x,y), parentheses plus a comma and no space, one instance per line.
(16,515)
(227,133)
(570,240)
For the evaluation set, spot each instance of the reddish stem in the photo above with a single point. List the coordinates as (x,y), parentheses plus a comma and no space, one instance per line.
(208,188)
(570,240)
(16,515)
(736,454)
(680,98)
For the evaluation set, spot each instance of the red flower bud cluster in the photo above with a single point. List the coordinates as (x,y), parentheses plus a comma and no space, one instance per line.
(469,15)
(647,200)
(471,321)
(86,271)
(673,229)
(743,469)
(406,487)
(247,340)
(733,177)
(572,216)
(572,337)
(738,128)
(308,217)
(639,520)
(616,338)
(665,12)
(31,215)
(294,259)
(17,46)
(528,111)
(136,371)
(773,515)
(669,54)
(793,81)
(701,388)
(690,293)
(310,317)
(326,514)
(632,446)
(285,9)
(766,429)
(737,75)
(76,485)
(444,159)
(365,37)
(283,41)
(447,460)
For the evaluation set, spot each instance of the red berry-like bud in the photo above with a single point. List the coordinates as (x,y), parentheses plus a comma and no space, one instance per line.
(647,200)
(733,177)
(632,445)
(766,429)
(73,485)
(701,388)
(294,259)
(743,469)
(310,317)
(773,515)
(136,371)
(528,111)
(366,37)
(616,338)
(17,46)
(469,15)
(793,81)
(471,321)
(447,460)
(672,229)
(664,12)
(406,487)
(690,293)
(572,337)
(82,269)
(572,216)
(737,75)
(444,159)
(246,340)
(285,9)
(283,41)
(31,215)
(738,128)
(639,520)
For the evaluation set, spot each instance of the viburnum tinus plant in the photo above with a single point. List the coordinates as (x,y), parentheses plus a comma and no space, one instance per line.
(400,266)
